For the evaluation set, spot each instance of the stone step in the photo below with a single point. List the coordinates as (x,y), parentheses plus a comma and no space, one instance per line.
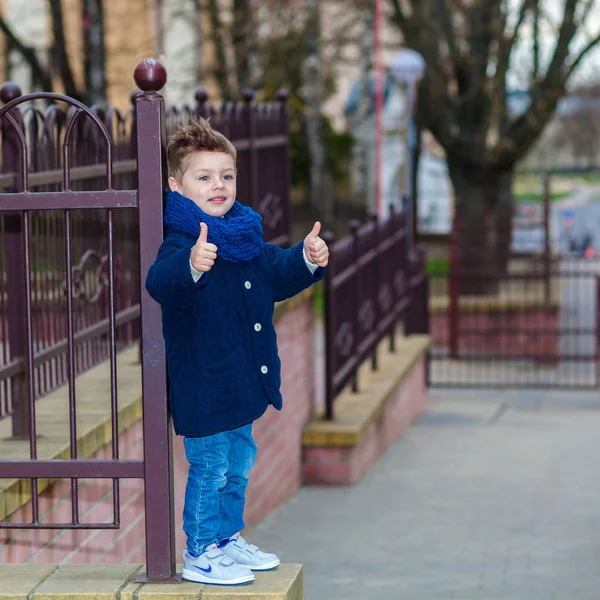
(118,582)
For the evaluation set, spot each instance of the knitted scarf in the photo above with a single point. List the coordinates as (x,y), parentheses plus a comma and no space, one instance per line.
(238,235)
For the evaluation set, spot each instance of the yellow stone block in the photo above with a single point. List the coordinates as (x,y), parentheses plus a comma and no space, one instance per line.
(85,582)
(17,581)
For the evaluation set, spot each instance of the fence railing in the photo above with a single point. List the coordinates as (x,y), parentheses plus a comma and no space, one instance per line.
(23,204)
(373,282)
(260,134)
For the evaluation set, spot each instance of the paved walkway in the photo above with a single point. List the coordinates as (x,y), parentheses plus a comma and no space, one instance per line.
(492,495)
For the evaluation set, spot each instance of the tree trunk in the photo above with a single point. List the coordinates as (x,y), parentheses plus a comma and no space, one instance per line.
(320,191)
(61,57)
(94,51)
(484,228)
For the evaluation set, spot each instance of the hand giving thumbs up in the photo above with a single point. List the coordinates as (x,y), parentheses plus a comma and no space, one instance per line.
(315,248)
(203,254)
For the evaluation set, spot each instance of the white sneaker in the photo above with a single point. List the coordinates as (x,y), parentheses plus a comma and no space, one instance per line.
(212,566)
(248,555)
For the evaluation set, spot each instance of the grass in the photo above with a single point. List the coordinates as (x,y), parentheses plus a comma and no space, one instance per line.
(437,266)
(319,300)
(535,198)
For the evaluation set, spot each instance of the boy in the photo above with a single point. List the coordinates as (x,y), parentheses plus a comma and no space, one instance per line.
(217,282)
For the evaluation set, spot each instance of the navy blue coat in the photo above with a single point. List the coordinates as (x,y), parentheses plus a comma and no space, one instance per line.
(222,360)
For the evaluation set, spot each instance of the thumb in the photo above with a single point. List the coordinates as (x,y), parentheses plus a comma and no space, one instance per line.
(315,230)
(203,233)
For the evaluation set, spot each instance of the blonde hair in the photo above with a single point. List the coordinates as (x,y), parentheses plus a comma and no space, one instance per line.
(197,137)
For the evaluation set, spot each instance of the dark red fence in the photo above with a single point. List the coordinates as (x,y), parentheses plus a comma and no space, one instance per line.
(81,207)
(373,283)
(259,132)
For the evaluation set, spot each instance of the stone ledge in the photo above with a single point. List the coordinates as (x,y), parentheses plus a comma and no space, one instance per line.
(117,582)
(93,423)
(440,305)
(355,412)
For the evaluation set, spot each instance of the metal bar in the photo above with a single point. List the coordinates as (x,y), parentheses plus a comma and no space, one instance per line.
(71,354)
(17,366)
(9,525)
(158,451)
(114,407)
(68,200)
(439,354)
(261,143)
(54,176)
(29,365)
(72,469)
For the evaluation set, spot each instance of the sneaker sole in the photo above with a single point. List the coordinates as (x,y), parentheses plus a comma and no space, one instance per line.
(268,567)
(198,578)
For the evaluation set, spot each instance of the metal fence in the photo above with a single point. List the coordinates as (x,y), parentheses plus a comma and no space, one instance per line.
(373,283)
(529,319)
(81,207)
(259,133)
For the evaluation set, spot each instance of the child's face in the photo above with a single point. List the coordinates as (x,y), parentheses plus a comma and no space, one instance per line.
(209,181)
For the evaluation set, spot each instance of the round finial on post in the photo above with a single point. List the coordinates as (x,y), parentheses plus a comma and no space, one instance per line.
(354,226)
(283,95)
(149,75)
(9,92)
(201,96)
(248,95)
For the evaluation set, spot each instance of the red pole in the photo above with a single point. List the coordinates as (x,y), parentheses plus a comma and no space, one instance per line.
(454,301)
(379,97)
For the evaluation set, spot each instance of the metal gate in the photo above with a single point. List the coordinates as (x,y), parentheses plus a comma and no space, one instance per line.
(538,328)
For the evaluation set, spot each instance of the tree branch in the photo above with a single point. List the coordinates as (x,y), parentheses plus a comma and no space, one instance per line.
(40,75)
(589,46)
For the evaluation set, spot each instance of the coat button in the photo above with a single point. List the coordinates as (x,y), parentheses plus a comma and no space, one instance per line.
(257,327)
(248,285)
(264,370)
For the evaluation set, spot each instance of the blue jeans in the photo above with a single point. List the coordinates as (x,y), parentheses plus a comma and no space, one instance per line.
(216,486)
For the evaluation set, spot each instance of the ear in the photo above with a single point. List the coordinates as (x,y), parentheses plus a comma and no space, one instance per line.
(174,185)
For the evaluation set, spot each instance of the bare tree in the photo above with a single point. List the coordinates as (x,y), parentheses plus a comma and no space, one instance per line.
(94,89)
(469,47)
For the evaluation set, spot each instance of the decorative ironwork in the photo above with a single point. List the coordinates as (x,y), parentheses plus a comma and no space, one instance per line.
(366,315)
(89,288)
(344,339)
(400,282)
(385,297)
(272,210)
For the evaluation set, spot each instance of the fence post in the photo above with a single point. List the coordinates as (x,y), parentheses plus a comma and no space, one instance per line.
(248,97)
(374,290)
(392,221)
(329,239)
(353,228)
(454,291)
(15,270)
(597,336)
(150,76)
(547,246)
(283,97)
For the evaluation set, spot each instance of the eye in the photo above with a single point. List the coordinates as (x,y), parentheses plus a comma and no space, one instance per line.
(203,178)
(228,177)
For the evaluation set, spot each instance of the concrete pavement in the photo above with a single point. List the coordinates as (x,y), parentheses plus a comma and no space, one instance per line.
(492,495)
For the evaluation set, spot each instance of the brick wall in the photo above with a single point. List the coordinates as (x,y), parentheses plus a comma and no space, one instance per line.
(276,476)
(532,332)
(335,465)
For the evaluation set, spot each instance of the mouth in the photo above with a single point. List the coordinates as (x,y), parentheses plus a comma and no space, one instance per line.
(217,199)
